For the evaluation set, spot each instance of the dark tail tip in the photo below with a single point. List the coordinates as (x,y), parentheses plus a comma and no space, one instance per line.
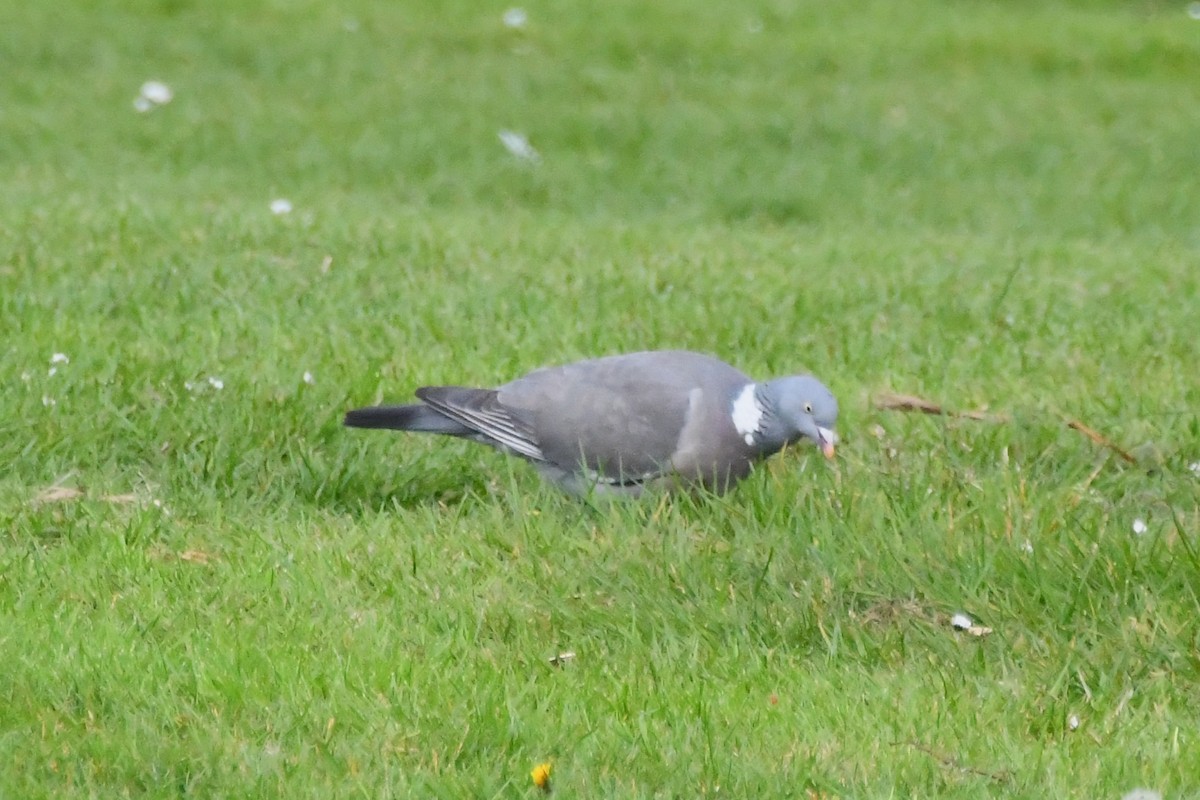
(415,417)
(393,417)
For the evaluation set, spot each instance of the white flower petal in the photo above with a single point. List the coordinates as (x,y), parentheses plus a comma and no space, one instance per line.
(1072,722)
(281,206)
(562,658)
(519,146)
(141,104)
(1139,526)
(1141,793)
(308,378)
(961,621)
(59,358)
(515,18)
(157,92)
(1194,467)
(216,382)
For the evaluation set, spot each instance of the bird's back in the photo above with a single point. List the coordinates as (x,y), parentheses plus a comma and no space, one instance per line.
(621,416)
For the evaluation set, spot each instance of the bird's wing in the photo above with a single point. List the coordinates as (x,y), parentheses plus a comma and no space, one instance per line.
(620,417)
(481,411)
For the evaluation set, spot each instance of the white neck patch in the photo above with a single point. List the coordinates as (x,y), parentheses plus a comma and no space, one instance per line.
(747,413)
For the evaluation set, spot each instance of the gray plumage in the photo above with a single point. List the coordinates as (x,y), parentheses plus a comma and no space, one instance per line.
(625,423)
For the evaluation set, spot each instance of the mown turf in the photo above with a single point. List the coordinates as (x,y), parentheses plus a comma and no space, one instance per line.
(987,205)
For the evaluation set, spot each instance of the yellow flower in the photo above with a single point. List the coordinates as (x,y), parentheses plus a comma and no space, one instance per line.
(541,776)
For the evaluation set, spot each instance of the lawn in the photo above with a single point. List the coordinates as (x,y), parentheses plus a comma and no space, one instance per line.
(210,588)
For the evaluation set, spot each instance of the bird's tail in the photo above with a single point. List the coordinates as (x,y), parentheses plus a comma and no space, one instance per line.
(417,417)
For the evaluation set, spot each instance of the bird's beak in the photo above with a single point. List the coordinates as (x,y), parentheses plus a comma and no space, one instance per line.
(826,441)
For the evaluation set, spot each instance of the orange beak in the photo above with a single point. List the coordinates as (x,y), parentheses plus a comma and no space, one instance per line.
(828,441)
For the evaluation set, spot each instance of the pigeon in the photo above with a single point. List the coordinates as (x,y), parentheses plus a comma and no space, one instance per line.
(625,424)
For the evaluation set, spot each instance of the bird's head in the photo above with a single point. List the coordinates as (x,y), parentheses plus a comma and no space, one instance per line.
(799,407)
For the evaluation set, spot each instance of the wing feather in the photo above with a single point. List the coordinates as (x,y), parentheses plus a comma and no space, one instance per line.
(623,417)
(480,410)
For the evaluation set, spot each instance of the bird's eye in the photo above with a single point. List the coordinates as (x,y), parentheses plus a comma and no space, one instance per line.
(808,408)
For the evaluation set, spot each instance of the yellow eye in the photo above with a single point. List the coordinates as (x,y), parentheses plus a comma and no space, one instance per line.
(808,408)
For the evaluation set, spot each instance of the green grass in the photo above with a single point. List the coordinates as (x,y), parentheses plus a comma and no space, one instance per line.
(986,204)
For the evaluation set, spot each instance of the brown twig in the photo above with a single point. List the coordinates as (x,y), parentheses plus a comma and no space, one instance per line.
(890,401)
(1101,439)
(1001,776)
(57,494)
(65,494)
(906,402)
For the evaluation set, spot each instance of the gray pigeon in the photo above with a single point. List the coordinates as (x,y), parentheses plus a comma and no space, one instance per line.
(626,423)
